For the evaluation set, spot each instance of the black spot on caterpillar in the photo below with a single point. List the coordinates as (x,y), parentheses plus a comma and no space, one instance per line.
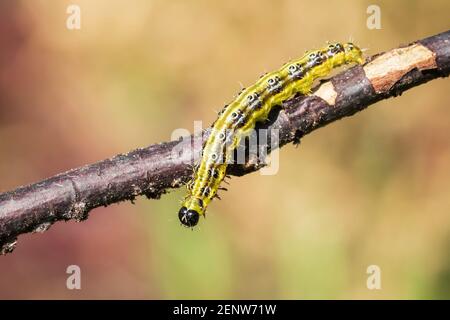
(253,105)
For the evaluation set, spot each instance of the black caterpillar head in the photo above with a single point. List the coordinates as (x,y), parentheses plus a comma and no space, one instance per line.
(188,218)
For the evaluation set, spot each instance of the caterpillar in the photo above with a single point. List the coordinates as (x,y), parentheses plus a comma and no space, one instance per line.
(253,105)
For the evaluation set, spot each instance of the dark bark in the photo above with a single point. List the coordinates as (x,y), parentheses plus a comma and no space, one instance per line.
(151,171)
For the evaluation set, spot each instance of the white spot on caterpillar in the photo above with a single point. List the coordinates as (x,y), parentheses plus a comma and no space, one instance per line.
(8,247)
(374,20)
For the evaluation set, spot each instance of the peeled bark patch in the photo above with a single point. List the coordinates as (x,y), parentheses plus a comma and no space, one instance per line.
(385,70)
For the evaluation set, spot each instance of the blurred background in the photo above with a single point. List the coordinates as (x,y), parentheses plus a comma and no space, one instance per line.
(368,190)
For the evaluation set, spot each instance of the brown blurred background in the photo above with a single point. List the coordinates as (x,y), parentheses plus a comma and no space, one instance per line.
(371,189)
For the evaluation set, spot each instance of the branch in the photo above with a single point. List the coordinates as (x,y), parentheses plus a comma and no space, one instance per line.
(152,171)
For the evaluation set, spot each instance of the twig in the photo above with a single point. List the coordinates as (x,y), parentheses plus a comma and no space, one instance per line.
(153,170)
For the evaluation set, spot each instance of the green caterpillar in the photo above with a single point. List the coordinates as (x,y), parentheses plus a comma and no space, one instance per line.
(253,105)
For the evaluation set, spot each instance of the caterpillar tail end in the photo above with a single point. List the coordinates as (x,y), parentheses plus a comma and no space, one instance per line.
(189,218)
